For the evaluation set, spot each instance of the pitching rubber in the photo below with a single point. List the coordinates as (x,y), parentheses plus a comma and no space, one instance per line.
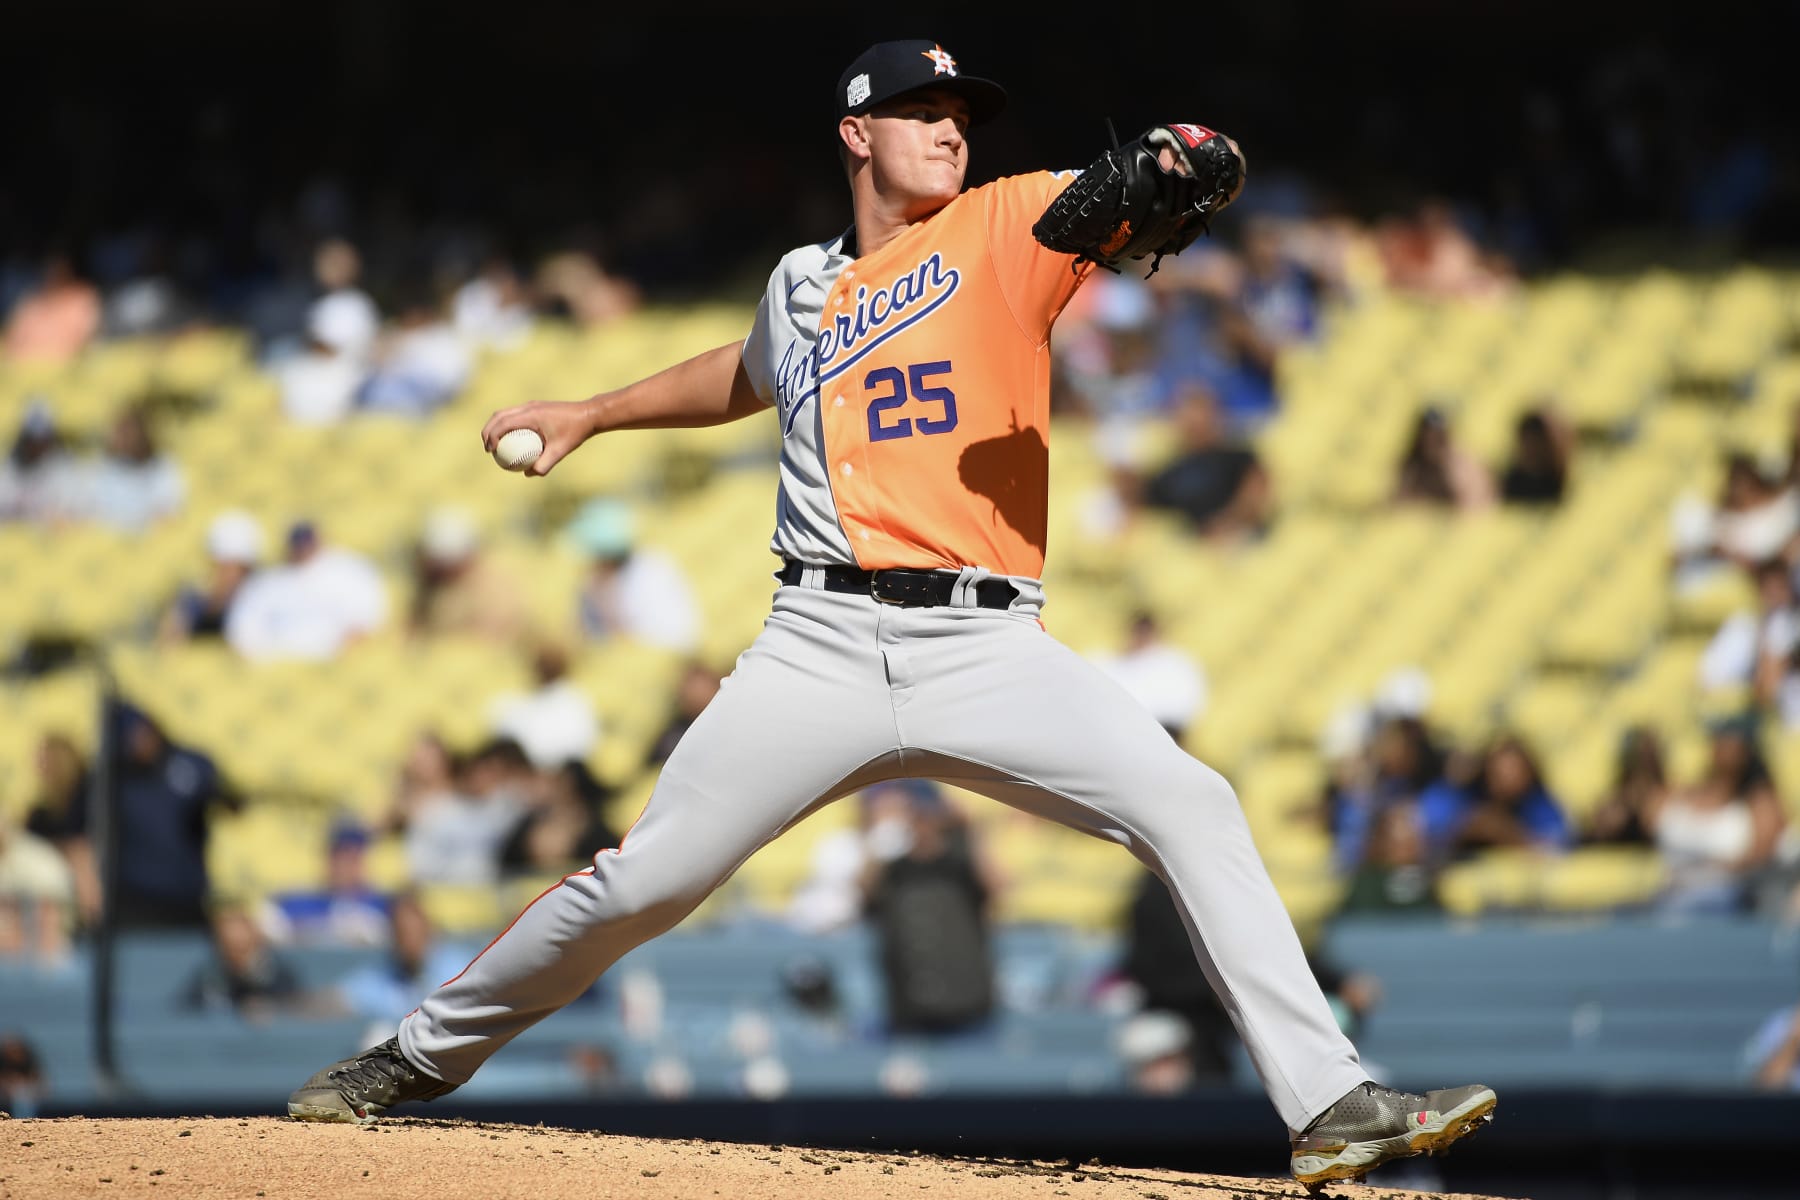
(1353,1160)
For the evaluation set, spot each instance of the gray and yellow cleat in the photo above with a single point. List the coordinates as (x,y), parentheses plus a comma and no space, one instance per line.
(360,1089)
(1373,1125)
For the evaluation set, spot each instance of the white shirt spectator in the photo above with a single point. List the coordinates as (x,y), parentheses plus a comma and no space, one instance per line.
(831,897)
(319,386)
(1164,679)
(308,610)
(424,367)
(457,839)
(490,311)
(44,491)
(554,725)
(1731,657)
(646,599)
(131,496)
(31,869)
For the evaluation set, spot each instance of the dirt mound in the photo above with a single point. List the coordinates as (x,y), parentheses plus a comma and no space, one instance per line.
(448,1160)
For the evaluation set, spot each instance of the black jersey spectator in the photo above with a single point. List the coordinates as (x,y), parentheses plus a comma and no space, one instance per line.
(1538,471)
(1160,960)
(165,796)
(928,901)
(1436,471)
(1221,488)
(1627,817)
(563,825)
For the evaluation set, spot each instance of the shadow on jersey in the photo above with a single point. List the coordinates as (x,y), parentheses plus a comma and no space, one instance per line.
(1012,473)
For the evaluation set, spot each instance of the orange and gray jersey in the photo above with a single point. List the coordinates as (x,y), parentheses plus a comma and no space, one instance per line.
(912,387)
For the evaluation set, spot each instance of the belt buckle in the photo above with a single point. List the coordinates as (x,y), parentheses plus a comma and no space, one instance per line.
(899,588)
(875,581)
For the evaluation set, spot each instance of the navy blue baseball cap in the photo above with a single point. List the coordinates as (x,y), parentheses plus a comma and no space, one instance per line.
(889,69)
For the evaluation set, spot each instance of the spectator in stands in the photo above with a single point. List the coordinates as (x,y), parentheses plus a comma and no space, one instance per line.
(319,386)
(1109,361)
(1268,304)
(58,815)
(1402,762)
(1159,960)
(1749,653)
(234,546)
(337,269)
(347,911)
(1504,803)
(493,310)
(39,479)
(1538,470)
(458,590)
(322,600)
(554,723)
(630,591)
(37,898)
(148,303)
(927,894)
(455,837)
(244,975)
(831,896)
(427,773)
(1436,471)
(699,684)
(1156,1046)
(415,964)
(1773,1055)
(1627,817)
(419,366)
(55,320)
(563,825)
(22,1083)
(1754,519)
(1718,834)
(132,485)
(574,284)
(1162,677)
(1396,875)
(165,795)
(1432,254)
(1221,488)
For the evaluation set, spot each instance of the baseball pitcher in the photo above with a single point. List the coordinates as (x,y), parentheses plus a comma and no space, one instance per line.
(908,364)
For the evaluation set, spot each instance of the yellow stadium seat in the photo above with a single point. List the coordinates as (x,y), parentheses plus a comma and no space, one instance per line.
(457,910)
(1494,881)
(1601,879)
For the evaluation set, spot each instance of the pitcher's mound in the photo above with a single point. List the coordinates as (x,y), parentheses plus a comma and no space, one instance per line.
(401,1159)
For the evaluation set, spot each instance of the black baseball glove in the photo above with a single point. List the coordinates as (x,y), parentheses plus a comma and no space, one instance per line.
(1127,205)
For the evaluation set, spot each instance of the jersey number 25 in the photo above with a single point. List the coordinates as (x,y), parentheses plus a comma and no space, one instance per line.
(913,384)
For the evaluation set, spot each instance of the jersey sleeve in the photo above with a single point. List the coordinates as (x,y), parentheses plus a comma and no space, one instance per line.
(757,347)
(1037,282)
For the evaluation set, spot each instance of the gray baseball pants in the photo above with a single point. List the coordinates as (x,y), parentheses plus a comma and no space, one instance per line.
(840,691)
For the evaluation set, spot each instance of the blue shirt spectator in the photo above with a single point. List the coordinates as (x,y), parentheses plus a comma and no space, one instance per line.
(1505,804)
(347,911)
(1401,762)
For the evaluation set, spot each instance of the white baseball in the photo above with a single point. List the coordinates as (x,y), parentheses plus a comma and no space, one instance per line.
(518,449)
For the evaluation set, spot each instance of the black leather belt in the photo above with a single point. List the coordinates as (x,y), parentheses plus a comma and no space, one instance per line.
(904,587)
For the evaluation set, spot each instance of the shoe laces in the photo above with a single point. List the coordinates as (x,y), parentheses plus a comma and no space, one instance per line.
(374,1071)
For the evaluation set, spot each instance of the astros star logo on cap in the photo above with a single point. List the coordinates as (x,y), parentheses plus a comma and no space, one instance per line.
(940,59)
